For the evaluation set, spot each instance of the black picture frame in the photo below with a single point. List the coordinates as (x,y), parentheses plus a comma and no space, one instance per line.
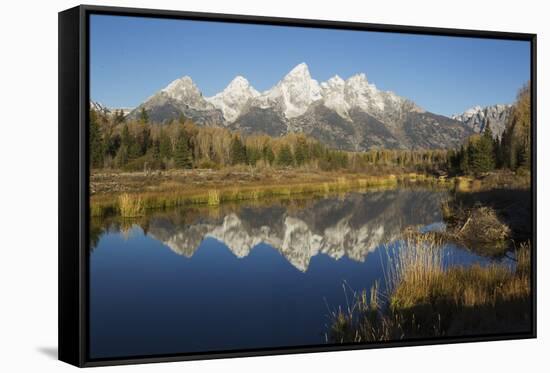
(74,179)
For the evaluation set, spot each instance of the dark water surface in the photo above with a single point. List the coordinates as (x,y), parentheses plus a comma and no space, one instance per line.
(244,276)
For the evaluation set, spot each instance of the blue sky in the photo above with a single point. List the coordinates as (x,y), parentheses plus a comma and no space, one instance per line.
(131,58)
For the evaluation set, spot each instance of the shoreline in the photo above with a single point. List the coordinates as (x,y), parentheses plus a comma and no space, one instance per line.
(138,192)
(130,194)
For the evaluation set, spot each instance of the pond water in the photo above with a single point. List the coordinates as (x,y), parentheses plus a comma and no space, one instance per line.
(262,275)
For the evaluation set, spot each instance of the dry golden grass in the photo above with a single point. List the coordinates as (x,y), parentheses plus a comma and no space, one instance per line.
(214,197)
(216,187)
(425,299)
(130,206)
(412,270)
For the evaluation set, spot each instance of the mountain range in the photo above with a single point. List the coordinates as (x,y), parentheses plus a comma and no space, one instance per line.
(351,114)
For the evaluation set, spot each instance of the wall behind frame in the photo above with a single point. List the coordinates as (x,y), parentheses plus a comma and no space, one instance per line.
(28,277)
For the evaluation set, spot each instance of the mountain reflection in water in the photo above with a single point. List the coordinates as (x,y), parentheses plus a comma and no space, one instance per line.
(352,226)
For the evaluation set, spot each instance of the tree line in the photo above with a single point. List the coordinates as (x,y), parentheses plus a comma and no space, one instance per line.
(135,145)
(483,153)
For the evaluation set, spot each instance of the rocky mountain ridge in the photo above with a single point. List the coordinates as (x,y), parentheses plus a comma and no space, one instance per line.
(351,114)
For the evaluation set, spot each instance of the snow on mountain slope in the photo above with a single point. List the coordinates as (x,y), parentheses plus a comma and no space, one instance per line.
(185,90)
(293,94)
(333,92)
(180,98)
(234,98)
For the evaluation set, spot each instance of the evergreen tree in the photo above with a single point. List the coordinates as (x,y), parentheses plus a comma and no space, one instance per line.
(143,116)
(121,158)
(237,151)
(125,137)
(155,155)
(155,150)
(145,139)
(112,144)
(301,153)
(96,142)
(284,157)
(134,150)
(464,158)
(483,159)
(165,145)
(252,155)
(267,154)
(119,116)
(182,153)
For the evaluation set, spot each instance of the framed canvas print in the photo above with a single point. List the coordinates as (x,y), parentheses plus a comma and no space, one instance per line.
(238,186)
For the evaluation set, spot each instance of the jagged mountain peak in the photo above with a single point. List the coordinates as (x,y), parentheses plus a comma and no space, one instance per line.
(359,78)
(99,107)
(180,86)
(232,100)
(238,82)
(186,92)
(180,98)
(302,69)
(477,118)
(335,81)
(294,93)
(471,111)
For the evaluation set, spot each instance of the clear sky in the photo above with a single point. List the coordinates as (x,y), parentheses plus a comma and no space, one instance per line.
(131,58)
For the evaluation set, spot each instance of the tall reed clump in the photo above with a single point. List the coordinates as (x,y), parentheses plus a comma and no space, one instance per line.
(362,321)
(413,269)
(214,197)
(96,209)
(463,184)
(130,205)
(424,297)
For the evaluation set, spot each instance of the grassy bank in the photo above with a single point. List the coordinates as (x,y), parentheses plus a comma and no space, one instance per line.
(426,299)
(502,179)
(131,194)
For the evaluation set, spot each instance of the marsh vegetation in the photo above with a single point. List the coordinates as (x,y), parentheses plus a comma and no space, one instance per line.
(426,298)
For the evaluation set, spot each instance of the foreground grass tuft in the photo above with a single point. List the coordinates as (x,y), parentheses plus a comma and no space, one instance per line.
(425,299)
(214,197)
(131,206)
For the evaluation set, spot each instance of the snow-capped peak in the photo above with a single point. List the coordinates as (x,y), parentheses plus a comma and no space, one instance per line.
(99,107)
(234,98)
(473,110)
(184,83)
(239,83)
(300,71)
(359,92)
(295,92)
(335,81)
(184,90)
(333,91)
(358,80)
